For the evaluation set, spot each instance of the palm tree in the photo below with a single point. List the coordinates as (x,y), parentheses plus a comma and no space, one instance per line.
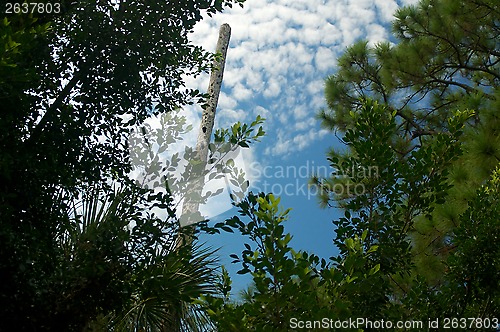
(123,267)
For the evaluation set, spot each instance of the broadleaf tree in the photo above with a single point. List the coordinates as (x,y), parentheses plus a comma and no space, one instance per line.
(74,83)
(444,57)
(419,118)
(288,286)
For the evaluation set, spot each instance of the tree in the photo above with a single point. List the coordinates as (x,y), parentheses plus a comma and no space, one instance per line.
(445,58)
(475,266)
(73,84)
(374,276)
(384,194)
(288,286)
(419,120)
(427,168)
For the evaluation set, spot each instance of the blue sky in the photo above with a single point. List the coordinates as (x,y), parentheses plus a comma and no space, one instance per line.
(279,55)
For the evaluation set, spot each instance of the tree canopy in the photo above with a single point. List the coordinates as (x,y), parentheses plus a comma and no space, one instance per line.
(85,247)
(419,119)
(76,232)
(445,59)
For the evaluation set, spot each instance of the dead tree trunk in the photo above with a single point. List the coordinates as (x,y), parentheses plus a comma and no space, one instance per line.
(208,116)
(191,204)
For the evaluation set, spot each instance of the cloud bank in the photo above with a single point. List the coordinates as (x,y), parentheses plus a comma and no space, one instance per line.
(280,53)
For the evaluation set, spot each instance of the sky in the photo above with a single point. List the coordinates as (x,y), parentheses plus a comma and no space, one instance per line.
(279,55)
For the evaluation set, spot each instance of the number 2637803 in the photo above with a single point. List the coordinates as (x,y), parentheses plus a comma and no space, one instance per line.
(32,7)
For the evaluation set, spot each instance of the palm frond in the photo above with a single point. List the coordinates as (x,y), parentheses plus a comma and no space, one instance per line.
(166,290)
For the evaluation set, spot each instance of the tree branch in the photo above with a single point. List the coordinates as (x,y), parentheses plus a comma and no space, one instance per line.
(50,113)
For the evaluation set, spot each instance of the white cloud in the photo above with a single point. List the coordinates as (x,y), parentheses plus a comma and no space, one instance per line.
(386,9)
(262,111)
(230,116)
(272,89)
(376,33)
(305,124)
(241,93)
(407,2)
(226,101)
(280,53)
(300,112)
(324,59)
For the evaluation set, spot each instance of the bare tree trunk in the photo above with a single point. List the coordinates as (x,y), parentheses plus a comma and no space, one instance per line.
(191,204)
(208,116)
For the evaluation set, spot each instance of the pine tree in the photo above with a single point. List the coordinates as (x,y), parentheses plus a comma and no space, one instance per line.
(446,58)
